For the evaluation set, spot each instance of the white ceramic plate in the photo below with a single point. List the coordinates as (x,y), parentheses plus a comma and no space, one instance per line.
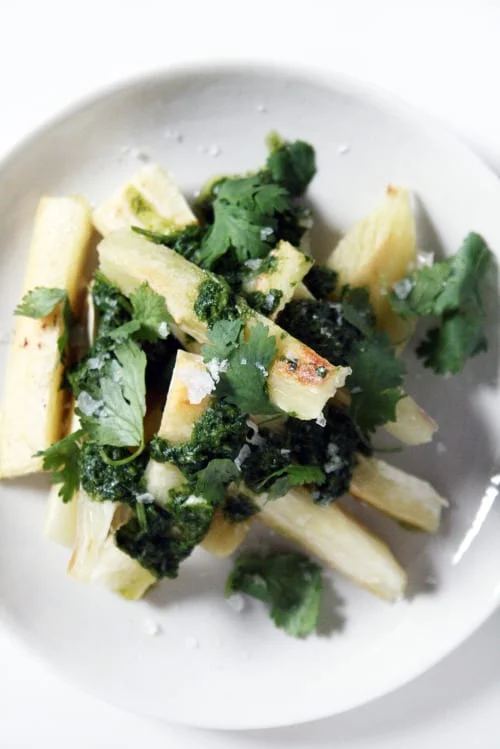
(212,666)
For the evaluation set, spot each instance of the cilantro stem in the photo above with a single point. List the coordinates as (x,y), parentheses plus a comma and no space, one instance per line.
(141,515)
(122,461)
(276,474)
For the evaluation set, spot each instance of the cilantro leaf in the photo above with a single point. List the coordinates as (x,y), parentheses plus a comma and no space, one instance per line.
(293,475)
(224,337)
(292,165)
(244,383)
(446,349)
(291,584)
(375,382)
(450,290)
(127,330)
(446,286)
(150,317)
(213,480)
(116,416)
(62,459)
(357,310)
(245,220)
(42,301)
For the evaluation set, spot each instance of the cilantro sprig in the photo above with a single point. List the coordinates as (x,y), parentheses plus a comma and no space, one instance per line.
(116,414)
(450,290)
(250,214)
(244,219)
(213,480)
(280,482)
(290,584)
(376,380)
(247,362)
(62,459)
(150,317)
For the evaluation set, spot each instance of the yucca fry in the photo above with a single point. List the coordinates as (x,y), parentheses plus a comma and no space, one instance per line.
(128,260)
(97,559)
(34,406)
(302,292)
(412,425)
(291,265)
(396,493)
(61,517)
(179,418)
(377,252)
(150,200)
(224,537)
(337,539)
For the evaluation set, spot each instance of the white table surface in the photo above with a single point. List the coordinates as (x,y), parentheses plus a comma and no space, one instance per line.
(444,57)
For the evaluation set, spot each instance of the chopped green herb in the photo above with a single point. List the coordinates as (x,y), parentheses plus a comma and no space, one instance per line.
(215,301)
(160,538)
(321,281)
(185,242)
(266,303)
(219,433)
(332,448)
(238,508)
(105,477)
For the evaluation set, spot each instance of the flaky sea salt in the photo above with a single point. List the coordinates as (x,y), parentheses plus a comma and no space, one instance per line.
(145,498)
(151,628)
(243,454)
(174,135)
(321,421)
(88,405)
(199,384)
(425,259)
(163,329)
(402,289)
(255,438)
(334,461)
(253,263)
(216,367)
(237,602)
